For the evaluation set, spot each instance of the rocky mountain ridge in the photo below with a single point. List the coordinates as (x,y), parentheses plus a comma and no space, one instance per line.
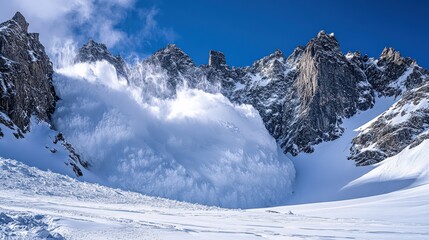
(302,98)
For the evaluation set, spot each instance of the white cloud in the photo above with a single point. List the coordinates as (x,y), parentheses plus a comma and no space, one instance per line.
(71,21)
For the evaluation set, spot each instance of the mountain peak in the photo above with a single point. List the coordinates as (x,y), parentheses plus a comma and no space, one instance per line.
(93,44)
(20,20)
(172,48)
(390,53)
(277,54)
(322,33)
(171,54)
(324,42)
(93,51)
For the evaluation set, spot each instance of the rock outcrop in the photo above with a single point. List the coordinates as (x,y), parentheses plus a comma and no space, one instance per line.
(323,74)
(406,123)
(391,74)
(93,52)
(25,74)
(26,86)
(216,59)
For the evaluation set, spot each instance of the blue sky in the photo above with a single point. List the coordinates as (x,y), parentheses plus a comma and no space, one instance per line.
(248,30)
(244,30)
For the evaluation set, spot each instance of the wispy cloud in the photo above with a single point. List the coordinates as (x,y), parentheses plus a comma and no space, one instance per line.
(72,21)
(151,29)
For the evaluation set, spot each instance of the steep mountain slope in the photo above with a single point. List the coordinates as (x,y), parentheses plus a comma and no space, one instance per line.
(26,74)
(391,73)
(404,124)
(409,168)
(28,100)
(309,115)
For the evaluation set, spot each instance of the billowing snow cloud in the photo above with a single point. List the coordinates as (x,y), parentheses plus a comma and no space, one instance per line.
(63,24)
(196,147)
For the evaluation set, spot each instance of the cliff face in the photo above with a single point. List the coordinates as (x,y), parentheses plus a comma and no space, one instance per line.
(27,91)
(327,88)
(25,74)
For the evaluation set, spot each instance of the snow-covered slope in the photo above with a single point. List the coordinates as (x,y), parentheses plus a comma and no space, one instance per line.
(196,146)
(36,204)
(322,175)
(410,168)
(41,147)
(405,123)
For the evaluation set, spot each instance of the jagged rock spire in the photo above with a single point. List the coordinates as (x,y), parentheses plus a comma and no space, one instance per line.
(20,19)
(216,59)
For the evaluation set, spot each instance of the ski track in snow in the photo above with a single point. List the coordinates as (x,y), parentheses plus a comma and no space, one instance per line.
(61,207)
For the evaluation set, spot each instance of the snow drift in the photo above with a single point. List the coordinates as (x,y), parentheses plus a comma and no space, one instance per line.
(196,147)
(407,169)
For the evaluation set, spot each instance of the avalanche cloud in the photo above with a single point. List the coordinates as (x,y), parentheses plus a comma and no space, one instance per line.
(196,146)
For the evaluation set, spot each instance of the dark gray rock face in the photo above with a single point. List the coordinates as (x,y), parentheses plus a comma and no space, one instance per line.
(93,52)
(323,74)
(216,59)
(404,124)
(294,95)
(391,73)
(26,85)
(25,74)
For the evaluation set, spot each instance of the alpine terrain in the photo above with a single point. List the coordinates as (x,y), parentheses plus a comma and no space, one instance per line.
(318,144)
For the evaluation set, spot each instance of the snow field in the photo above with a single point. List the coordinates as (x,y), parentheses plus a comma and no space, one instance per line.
(66,208)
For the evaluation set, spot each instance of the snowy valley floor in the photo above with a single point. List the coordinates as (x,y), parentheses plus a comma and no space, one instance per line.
(38,204)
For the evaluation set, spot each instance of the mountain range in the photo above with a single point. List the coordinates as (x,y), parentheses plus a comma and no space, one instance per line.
(302,99)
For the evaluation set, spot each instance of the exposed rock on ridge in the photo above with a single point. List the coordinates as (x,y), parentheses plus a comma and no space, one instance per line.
(302,98)
(26,74)
(93,52)
(26,85)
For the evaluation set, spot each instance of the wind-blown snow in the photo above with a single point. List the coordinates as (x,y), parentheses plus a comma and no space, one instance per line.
(196,147)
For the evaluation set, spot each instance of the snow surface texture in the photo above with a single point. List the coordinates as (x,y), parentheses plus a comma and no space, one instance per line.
(38,204)
(26,226)
(410,167)
(197,147)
